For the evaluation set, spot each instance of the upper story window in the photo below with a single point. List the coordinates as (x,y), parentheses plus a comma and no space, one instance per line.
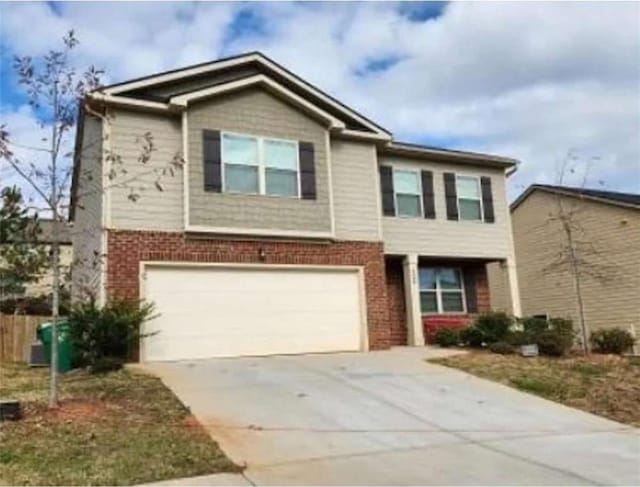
(441,290)
(281,167)
(408,195)
(241,164)
(255,165)
(469,198)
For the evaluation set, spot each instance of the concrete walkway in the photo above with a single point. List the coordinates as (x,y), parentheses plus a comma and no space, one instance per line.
(388,417)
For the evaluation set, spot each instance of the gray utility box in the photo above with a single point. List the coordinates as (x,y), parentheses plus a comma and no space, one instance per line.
(37,358)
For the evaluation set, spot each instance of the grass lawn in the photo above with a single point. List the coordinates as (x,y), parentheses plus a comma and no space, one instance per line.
(606,385)
(114,429)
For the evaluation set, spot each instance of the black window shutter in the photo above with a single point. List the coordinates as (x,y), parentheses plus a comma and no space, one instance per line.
(487,199)
(451,195)
(386,187)
(470,291)
(428,203)
(307,171)
(212,160)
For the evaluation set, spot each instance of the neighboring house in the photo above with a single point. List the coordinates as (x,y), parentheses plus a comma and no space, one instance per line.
(44,238)
(607,232)
(296,225)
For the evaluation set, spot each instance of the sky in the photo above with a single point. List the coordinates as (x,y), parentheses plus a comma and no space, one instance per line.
(531,80)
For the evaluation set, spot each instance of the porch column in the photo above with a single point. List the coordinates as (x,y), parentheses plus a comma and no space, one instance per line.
(512,275)
(415,332)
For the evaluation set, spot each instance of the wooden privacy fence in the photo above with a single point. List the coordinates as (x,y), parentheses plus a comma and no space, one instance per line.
(17,333)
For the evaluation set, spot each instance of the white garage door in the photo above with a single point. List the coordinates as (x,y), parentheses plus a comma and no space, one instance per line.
(211,311)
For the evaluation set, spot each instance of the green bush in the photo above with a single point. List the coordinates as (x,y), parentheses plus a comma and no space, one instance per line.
(494,325)
(554,343)
(502,348)
(554,337)
(447,337)
(613,340)
(104,337)
(517,338)
(534,325)
(472,337)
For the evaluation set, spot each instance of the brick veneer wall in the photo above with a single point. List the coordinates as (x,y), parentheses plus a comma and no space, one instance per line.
(125,250)
(396,301)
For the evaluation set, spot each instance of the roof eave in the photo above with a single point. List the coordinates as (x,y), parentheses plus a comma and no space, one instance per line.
(520,199)
(399,148)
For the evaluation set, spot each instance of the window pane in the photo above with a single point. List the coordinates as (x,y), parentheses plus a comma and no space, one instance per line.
(467,187)
(469,209)
(241,179)
(427,278)
(452,301)
(406,182)
(280,154)
(239,150)
(449,279)
(408,205)
(428,302)
(281,183)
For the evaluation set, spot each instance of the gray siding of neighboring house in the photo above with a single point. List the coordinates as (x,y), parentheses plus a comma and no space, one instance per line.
(256,112)
(155,209)
(442,237)
(614,232)
(87,225)
(354,173)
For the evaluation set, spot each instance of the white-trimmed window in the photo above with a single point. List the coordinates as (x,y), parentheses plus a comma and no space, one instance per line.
(256,165)
(281,167)
(407,193)
(469,198)
(441,290)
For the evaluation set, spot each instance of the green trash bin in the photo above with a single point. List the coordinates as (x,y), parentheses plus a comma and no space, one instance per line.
(65,347)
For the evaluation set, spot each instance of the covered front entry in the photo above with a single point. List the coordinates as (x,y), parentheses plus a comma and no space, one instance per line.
(428,293)
(219,310)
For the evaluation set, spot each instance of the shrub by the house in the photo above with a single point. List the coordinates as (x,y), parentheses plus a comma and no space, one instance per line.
(472,337)
(612,340)
(494,325)
(104,337)
(447,337)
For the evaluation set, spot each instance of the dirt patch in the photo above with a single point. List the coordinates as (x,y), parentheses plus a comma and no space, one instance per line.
(78,410)
(191,423)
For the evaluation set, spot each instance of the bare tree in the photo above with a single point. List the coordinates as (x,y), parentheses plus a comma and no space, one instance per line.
(578,253)
(55,89)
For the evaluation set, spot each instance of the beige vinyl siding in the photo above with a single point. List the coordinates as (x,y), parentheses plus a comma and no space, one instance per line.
(155,209)
(86,233)
(256,112)
(500,294)
(614,232)
(442,237)
(355,190)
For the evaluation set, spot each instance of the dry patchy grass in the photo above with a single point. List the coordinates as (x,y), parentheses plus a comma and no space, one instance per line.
(120,428)
(606,385)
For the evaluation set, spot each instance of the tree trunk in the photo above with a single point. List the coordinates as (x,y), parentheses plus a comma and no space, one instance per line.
(55,262)
(575,270)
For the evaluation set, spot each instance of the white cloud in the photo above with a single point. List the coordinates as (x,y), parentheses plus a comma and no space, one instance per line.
(528,80)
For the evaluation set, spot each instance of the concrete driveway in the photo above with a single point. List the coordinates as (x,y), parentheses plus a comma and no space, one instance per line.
(390,418)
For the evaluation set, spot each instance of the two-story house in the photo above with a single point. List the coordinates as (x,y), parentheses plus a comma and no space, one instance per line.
(295,225)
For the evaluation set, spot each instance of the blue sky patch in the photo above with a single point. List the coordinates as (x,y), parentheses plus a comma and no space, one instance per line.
(377,65)
(422,11)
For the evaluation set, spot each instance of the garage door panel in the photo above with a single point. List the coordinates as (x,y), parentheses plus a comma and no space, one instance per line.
(223,312)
